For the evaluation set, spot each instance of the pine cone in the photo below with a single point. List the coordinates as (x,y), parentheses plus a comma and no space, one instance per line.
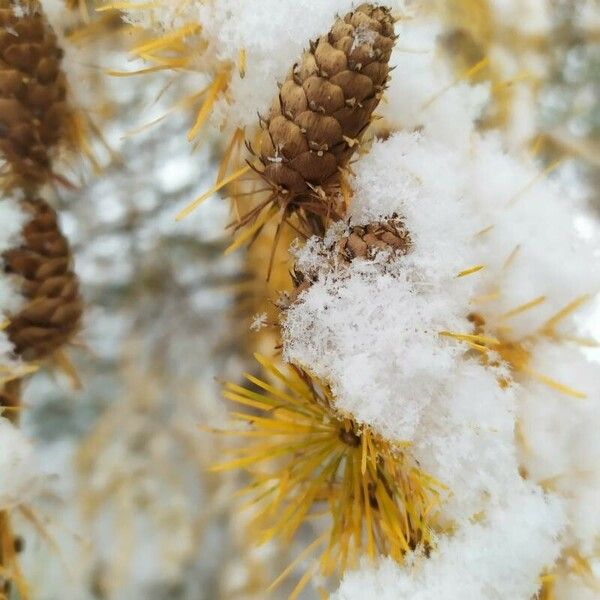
(327,102)
(32,91)
(42,266)
(362,241)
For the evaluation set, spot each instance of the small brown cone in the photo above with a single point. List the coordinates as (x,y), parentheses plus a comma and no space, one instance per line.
(364,241)
(33,111)
(361,241)
(323,108)
(42,269)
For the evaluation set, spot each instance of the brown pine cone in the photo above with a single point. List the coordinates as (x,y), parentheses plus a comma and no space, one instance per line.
(42,268)
(364,241)
(327,102)
(33,110)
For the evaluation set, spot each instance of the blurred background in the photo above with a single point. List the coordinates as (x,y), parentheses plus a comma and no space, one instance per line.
(129,510)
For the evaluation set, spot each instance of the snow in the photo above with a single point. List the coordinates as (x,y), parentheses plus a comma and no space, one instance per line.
(259,321)
(272,33)
(466,440)
(498,558)
(561,447)
(12,219)
(373,333)
(18,467)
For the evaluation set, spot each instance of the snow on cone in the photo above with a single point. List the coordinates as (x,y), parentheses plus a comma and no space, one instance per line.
(364,241)
(358,242)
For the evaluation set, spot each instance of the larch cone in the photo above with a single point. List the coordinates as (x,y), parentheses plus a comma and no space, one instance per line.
(324,106)
(42,269)
(360,242)
(33,110)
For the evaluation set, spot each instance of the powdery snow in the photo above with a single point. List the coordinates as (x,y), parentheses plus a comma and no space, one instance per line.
(272,34)
(495,559)
(373,331)
(12,219)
